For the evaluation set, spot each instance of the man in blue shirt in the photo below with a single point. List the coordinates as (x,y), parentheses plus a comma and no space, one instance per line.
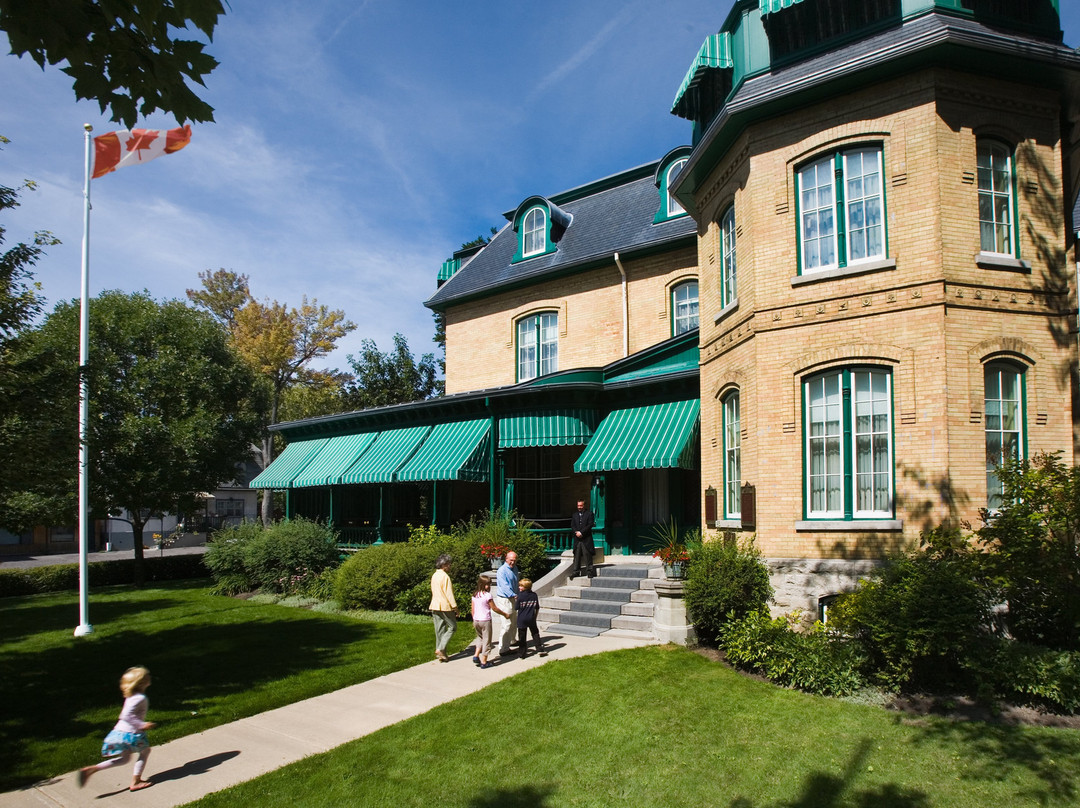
(505,628)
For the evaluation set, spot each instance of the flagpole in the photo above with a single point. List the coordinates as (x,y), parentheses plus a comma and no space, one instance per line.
(85,526)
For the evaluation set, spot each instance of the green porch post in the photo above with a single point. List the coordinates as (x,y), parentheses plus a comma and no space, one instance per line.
(288,502)
(598,505)
(382,514)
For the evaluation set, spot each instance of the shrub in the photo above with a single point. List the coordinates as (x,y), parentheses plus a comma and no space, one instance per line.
(1029,674)
(921,620)
(815,661)
(724,580)
(416,600)
(374,577)
(1033,545)
(225,558)
(289,555)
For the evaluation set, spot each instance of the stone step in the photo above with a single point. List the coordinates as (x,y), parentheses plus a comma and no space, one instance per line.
(625,584)
(593,619)
(624,571)
(577,631)
(633,623)
(644,596)
(639,610)
(597,606)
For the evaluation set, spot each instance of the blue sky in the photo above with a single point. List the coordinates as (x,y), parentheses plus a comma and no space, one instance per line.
(357,145)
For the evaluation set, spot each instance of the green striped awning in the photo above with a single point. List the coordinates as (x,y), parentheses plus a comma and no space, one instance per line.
(547,428)
(386,455)
(451,452)
(715,52)
(287,465)
(770,6)
(660,436)
(449,269)
(336,457)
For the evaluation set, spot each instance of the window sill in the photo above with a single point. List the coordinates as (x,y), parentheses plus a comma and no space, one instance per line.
(851,270)
(854,526)
(989,260)
(728,524)
(726,312)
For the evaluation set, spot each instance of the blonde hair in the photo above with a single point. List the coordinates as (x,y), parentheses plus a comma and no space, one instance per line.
(135,680)
(526,584)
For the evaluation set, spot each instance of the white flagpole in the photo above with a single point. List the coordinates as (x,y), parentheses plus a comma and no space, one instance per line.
(85,525)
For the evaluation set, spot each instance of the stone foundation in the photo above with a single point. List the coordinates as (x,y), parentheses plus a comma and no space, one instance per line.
(799,583)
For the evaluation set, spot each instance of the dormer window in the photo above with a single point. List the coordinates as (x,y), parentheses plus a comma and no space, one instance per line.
(673,206)
(534,233)
(539,225)
(667,171)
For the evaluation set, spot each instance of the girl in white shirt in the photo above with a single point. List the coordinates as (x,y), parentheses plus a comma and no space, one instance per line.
(128,737)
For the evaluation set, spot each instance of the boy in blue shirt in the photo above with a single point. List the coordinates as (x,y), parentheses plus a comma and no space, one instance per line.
(528,607)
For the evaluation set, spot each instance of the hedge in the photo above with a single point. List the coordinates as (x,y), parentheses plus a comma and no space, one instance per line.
(64,577)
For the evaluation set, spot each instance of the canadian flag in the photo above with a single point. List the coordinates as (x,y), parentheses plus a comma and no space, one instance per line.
(122,148)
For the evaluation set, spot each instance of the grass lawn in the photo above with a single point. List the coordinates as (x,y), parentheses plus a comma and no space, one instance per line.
(661,726)
(213,660)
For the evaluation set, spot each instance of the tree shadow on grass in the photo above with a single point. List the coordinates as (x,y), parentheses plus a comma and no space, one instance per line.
(997,753)
(522,797)
(825,790)
(195,666)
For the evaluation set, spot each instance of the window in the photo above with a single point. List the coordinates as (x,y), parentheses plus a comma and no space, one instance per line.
(684,305)
(728,278)
(534,233)
(841,210)
(848,447)
(673,207)
(995,171)
(537,345)
(732,458)
(229,507)
(1004,391)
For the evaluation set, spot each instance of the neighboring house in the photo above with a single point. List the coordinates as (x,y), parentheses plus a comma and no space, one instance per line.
(571,372)
(874,221)
(893,181)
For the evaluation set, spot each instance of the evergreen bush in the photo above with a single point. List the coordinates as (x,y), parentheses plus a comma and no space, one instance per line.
(724,580)
(288,556)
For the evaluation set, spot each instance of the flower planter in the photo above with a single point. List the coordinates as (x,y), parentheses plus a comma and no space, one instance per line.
(676,571)
(496,562)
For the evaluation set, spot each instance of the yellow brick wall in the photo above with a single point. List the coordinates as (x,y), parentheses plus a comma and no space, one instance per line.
(480,335)
(933,319)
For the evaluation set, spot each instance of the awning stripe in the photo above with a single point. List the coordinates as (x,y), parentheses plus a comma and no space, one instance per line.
(386,455)
(457,451)
(547,428)
(771,6)
(658,436)
(287,465)
(336,457)
(715,52)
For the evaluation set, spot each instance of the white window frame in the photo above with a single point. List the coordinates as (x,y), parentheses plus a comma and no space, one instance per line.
(848,444)
(999,409)
(732,456)
(728,273)
(844,187)
(674,208)
(685,308)
(534,232)
(996,180)
(537,345)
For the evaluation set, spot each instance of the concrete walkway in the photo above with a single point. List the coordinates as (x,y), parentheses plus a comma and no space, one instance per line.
(191,767)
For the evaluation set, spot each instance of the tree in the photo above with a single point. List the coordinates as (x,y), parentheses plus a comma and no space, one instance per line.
(120,53)
(390,378)
(277,341)
(173,409)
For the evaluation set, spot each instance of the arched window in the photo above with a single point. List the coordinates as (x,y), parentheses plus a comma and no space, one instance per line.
(995,170)
(684,307)
(729,289)
(534,233)
(732,456)
(848,444)
(1005,418)
(673,206)
(537,345)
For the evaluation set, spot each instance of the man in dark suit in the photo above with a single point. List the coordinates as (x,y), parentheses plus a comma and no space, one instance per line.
(581,525)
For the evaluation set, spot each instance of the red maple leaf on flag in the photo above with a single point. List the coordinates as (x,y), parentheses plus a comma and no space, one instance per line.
(140,139)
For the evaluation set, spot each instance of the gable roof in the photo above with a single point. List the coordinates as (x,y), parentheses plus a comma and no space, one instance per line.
(608,216)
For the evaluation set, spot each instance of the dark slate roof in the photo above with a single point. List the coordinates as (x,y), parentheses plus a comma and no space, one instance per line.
(613,215)
(931,38)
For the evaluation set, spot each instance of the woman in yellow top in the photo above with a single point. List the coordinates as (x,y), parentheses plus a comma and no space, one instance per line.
(443,607)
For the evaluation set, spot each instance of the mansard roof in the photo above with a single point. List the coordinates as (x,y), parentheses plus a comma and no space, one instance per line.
(611,215)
